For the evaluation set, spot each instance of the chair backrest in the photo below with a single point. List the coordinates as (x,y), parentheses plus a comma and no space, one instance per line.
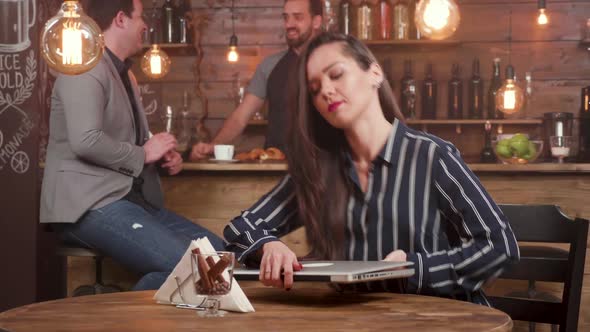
(547,223)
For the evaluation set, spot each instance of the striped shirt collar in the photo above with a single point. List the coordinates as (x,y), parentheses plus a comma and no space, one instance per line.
(386,156)
(391,148)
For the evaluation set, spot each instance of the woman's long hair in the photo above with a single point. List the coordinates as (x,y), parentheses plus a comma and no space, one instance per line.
(316,153)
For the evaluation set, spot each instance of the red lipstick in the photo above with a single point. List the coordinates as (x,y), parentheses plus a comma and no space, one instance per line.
(333,106)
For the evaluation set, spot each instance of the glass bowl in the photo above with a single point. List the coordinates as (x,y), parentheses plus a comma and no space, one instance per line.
(517,152)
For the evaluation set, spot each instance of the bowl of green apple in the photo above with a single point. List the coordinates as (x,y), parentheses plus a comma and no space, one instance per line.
(517,148)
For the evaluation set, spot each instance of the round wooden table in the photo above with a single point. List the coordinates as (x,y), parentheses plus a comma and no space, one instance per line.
(276,310)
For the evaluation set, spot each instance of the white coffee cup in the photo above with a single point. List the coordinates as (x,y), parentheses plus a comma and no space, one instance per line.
(223,152)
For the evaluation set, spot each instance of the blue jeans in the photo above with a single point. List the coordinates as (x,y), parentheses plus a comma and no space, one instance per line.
(149,244)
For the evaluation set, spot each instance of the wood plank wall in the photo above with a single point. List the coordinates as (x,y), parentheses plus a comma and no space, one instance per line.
(559,65)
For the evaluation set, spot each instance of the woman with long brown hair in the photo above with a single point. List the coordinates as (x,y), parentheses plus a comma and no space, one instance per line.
(366,187)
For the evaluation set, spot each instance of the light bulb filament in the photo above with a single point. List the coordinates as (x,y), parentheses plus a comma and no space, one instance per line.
(232,55)
(71,43)
(542,19)
(510,98)
(156,64)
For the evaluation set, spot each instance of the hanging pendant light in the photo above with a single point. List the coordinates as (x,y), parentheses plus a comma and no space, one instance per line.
(510,97)
(71,42)
(542,19)
(155,63)
(232,54)
(437,19)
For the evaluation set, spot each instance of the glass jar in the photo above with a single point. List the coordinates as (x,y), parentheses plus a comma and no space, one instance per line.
(364,24)
(382,24)
(345,17)
(331,15)
(401,21)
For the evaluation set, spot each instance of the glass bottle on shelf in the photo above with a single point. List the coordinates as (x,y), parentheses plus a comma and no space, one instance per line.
(528,96)
(495,84)
(331,15)
(152,35)
(475,98)
(184,31)
(455,100)
(429,94)
(169,26)
(413,29)
(382,22)
(346,17)
(487,153)
(364,26)
(186,132)
(401,21)
(408,92)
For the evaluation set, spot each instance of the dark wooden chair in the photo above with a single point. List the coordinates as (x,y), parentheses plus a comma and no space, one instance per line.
(546,224)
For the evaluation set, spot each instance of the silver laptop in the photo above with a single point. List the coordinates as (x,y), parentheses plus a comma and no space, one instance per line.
(341,271)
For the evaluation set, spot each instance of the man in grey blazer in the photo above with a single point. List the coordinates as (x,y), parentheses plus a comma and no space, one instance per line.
(101,187)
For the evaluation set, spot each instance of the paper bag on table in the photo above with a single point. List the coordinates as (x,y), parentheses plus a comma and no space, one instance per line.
(179,287)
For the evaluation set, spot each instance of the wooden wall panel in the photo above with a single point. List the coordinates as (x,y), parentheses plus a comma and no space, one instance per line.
(559,66)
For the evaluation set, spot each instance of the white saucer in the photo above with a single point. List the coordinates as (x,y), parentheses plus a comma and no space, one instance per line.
(223,160)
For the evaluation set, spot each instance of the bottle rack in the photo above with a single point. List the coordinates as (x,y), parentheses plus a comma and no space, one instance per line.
(459,123)
(411,42)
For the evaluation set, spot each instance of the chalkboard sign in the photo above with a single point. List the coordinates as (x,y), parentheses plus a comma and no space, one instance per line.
(151,99)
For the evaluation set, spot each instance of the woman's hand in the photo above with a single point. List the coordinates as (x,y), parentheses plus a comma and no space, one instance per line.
(277,265)
(396,256)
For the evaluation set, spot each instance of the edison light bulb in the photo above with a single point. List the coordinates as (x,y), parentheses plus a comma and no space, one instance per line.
(437,19)
(71,42)
(542,19)
(155,63)
(510,97)
(232,54)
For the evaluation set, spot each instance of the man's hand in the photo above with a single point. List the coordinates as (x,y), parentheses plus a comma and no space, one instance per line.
(172,162)
(157,146)
(277,265)
(201,151)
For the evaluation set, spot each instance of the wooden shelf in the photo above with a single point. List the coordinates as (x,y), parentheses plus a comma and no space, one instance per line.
(459,123)
(478,122)
(422,42)
(175,48)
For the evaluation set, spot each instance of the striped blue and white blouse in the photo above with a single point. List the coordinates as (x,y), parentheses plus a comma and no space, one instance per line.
(421,198)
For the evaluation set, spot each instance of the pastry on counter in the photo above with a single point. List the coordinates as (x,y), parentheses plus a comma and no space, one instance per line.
(259,154)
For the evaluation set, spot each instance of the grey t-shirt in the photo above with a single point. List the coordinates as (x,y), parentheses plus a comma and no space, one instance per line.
(257,85)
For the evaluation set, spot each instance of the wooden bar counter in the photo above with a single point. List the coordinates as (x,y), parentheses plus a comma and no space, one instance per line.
(214,193)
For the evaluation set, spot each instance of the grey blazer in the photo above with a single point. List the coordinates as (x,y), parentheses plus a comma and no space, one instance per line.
(91,156)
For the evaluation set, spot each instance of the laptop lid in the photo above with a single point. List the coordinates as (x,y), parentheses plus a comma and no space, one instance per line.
(341,271)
